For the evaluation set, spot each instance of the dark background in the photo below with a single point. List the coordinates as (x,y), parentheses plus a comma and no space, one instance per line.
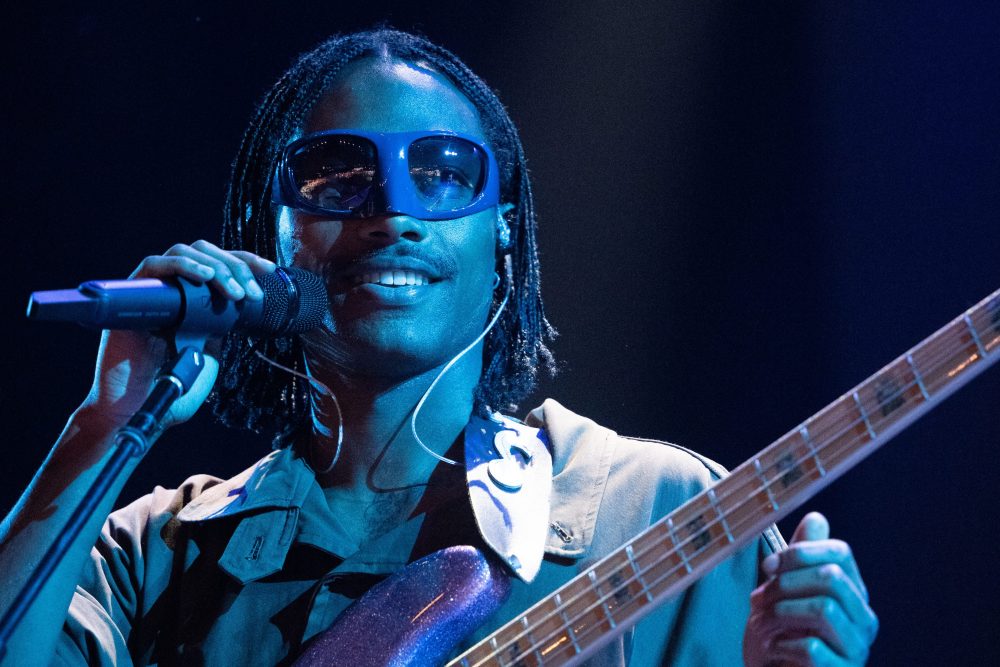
(746,209)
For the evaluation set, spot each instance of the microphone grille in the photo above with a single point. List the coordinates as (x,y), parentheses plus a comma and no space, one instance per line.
(295,301)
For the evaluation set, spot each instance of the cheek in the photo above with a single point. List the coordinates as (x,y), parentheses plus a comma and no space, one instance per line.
(479,259)
(305,240)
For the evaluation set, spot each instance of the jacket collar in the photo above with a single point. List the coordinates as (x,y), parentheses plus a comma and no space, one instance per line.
(581,459)
(280,480)
(270,495)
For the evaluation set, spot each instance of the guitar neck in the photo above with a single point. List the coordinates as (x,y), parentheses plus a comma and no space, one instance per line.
(615,593)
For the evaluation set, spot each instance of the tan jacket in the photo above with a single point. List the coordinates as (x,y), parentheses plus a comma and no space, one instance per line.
(244,571)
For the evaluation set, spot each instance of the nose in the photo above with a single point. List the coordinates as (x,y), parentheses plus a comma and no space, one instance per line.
(385,230)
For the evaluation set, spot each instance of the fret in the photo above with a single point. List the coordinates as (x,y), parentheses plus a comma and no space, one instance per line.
(677,546)
(550,632)
(991,313)
(766,484)
(580,606)
(623,587)
(526,629)
(479,655)
(946,354)
(638,573)
(830,425)
(741,498)
(722,517)
(887,397)
(512,648)
(618,587)
(568,623)
(657,559)
(975,336)
(695,526)
(804,432)
(495,646)
(607,612)
(864,416)
(918,377)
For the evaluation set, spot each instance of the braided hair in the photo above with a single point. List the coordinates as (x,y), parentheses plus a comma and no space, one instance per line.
(253,394)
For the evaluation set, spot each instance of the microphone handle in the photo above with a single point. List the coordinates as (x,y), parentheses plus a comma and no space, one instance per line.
(145,304)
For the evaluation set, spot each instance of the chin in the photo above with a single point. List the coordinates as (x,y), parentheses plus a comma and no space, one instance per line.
(385,351)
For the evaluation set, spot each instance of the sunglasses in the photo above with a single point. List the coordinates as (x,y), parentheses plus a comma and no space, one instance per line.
(355,174)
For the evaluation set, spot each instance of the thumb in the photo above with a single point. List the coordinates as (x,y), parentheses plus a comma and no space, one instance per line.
(813,526)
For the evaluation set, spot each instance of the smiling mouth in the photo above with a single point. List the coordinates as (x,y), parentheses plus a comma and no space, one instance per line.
(395,278)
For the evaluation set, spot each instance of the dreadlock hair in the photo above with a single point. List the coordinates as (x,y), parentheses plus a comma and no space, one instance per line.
(253,394)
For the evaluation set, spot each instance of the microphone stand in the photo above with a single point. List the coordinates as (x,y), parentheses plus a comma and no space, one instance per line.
(133,440)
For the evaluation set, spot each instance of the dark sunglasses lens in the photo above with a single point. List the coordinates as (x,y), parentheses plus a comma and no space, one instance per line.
(447,172)
(334,173)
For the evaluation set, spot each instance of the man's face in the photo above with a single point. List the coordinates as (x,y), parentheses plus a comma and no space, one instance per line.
(399,330)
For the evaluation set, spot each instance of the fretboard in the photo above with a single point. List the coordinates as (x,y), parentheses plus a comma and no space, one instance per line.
(616,592)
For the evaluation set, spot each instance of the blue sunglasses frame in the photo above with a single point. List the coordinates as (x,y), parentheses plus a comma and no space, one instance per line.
(395,192)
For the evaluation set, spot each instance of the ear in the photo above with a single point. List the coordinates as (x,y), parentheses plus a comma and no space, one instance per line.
(503,229)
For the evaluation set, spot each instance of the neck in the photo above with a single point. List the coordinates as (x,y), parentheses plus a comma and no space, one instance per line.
(379,452)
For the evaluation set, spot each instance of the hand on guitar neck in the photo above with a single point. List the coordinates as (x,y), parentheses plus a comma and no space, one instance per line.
(813,607)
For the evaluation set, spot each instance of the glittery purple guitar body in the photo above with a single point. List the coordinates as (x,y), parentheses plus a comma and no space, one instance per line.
(415,617)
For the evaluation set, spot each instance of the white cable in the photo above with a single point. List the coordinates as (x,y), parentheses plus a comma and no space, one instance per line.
(416,410)
(420,403)
(323,388)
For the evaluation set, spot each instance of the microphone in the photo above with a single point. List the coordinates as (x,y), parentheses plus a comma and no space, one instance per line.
(295,300)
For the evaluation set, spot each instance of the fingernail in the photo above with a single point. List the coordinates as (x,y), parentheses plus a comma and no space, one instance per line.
(770,564)
(254,291)
(205,271)
(235,288)
(270,265)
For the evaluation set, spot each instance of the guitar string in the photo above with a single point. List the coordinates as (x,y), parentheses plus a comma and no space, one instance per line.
(753,494)
(939,361)
(936,365)
(639,573)
(601,600)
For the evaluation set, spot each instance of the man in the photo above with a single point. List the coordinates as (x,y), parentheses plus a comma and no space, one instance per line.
(380,162)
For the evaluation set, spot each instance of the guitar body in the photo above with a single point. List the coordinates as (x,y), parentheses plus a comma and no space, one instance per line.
(415,617)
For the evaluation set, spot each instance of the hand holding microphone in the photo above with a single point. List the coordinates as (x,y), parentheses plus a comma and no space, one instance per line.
(227,290)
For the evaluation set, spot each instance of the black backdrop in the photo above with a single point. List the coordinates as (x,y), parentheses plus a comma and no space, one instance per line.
(746,209)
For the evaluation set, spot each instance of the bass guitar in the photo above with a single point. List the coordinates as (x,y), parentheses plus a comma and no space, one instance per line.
(424,611)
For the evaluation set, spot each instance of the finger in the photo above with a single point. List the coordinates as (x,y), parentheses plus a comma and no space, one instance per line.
(827,580)
(800,555)
(222,280)
(813,526)
(256,263)
(805,651)
(162,266)
(823,617)
(239,271)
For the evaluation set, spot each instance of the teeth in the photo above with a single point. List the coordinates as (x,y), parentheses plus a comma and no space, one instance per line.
(392,278)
